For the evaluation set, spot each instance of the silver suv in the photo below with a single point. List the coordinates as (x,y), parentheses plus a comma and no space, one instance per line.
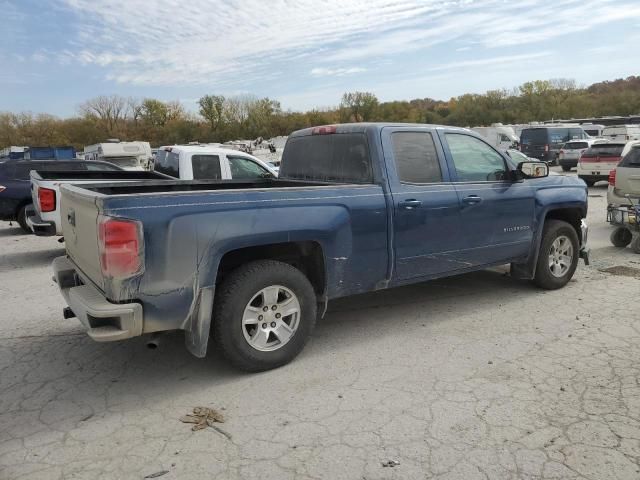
(624,181)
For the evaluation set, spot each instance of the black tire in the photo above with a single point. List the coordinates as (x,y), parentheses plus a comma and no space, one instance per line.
(21,218)
(635,244)
(621,237)
(553,229)
(566,168)
(233,296)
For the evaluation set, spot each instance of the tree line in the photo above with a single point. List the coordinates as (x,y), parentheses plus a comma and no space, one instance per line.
(221,118)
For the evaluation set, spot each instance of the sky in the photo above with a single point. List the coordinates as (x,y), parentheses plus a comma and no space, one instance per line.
(305,53)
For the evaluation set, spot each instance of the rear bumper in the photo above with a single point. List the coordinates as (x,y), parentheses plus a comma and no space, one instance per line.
(593,178)
(105,321)
(40,227)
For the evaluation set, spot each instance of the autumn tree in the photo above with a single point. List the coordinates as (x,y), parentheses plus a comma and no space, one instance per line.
(359,106)
(110,110)
(212,110)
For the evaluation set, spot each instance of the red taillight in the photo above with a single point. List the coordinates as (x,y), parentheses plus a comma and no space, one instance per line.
(612,178)
(121,247)
(325,130)
(562,151)
(47,199)
(546,148)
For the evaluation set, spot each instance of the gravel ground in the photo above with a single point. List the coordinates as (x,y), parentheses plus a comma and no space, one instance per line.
(477,376)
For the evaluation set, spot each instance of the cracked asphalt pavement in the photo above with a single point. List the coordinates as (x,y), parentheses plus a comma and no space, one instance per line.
(473,377)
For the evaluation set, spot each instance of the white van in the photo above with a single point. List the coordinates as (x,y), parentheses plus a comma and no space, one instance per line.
(206,162)
(622,133)
(498,135)
(127,155)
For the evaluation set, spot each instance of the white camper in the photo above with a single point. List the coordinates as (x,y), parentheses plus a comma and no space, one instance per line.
(128,155)
(498,135)
(592,129)
(622,133)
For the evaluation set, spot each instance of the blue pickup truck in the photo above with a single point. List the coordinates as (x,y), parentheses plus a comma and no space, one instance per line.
(357,208)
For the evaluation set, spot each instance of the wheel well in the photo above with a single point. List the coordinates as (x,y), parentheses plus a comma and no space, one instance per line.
(23,203)
(305,256)
(572,216)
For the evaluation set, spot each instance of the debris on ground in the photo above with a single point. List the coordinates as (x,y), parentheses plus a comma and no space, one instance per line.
(203,417)
(157,474)
(391,463)
(623,271)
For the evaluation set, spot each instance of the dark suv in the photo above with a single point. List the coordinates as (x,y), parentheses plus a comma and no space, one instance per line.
(15,184)
(544,143)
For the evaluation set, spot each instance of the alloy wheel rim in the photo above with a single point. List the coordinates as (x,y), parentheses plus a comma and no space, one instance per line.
(560,256)
(271,318)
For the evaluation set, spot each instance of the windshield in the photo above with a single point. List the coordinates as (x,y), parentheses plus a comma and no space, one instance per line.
(123,161)
(604,150)
(575,145)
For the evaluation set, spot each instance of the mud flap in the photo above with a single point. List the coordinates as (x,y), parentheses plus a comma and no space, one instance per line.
(197,332)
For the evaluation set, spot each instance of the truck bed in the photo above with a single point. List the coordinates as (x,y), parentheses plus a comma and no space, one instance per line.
(129,188)
(96,175)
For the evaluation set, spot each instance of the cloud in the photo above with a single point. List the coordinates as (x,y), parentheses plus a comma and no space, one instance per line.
(336,72)
(483,62)
(235,43)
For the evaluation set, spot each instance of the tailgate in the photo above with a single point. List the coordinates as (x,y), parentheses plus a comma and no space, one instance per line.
(628,180)
(79,217)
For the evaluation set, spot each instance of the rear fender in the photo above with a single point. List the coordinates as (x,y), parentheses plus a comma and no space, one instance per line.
(198,243)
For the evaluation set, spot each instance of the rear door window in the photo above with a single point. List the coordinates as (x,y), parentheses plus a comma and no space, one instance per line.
(416,157)
(338,157)
(206,167)
(245,168)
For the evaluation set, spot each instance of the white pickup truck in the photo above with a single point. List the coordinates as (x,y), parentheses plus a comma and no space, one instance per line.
(210,162)
(44,217)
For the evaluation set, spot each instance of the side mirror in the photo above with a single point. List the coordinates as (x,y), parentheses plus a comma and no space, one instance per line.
(533,169)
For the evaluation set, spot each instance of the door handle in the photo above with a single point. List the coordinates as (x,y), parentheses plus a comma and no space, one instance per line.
(471,200)
(410,204)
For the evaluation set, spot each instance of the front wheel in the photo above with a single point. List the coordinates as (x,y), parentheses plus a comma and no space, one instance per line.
(558,256)
(264,314)
(566,168)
